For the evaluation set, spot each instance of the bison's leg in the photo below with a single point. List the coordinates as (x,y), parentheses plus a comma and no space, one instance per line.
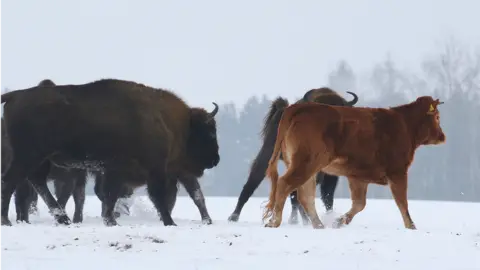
(79,197)
(195,192)
(398,185)
(295,205)
(39,182)
(23,196)
(16,173)
(257,173)
(97,188)
(157,188)
(110,190)
(172,195)
(64,187)
(327,189)
(358,193)
(306,196)
(33,209)
(124,202)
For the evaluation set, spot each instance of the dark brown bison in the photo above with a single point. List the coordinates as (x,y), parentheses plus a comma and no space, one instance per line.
(133,133)
(328,183)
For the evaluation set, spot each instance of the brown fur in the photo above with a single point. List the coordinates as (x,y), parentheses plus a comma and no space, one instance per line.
(366,145)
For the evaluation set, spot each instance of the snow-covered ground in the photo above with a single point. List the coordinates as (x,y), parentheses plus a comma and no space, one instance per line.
(448,237)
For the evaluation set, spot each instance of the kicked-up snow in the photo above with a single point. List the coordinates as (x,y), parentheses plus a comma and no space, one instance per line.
(448,237)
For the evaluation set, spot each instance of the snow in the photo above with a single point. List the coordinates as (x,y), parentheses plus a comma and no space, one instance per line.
(448,237)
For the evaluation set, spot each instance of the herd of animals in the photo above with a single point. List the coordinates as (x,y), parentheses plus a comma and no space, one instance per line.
(129,135)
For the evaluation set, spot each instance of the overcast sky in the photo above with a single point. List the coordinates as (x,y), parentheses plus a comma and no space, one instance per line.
(218,50)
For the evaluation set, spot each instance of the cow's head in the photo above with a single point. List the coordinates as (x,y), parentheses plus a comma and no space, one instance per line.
(430,131)
(202,145)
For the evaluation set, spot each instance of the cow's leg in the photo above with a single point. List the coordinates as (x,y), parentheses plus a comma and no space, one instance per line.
(39,182)
(398,185)
(79,197)
(157,188)
(327,189)
(306,196)
(16,173)
(358,193)
(23,195)
(195,192)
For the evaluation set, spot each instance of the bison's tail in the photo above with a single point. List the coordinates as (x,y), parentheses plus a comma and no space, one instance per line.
(8,96)
(273,116)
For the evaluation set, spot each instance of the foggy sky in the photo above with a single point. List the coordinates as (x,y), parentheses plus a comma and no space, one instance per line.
(217,50)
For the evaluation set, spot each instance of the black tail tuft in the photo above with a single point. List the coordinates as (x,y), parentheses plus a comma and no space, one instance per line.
(278,104)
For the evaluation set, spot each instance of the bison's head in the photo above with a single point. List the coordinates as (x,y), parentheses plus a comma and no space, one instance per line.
(430,130)
(46,83)
(327,96)
(202,146)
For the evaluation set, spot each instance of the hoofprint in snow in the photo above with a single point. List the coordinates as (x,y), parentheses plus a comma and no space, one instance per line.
(448,237)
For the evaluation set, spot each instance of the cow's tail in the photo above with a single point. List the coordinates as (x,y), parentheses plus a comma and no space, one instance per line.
(272,170)
(6,97)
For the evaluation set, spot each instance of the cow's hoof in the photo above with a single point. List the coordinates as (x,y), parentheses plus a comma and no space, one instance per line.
(207,221)
(64,220)
(339,223)
(233,217)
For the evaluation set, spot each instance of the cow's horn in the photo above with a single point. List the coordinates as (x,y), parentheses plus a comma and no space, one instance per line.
(355,99)
(214,112)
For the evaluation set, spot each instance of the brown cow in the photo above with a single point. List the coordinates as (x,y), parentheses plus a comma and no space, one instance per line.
(366,145)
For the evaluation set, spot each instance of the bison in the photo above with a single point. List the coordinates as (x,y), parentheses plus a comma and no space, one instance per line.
(66,182)
(328,183)
(133,133)
(367,145)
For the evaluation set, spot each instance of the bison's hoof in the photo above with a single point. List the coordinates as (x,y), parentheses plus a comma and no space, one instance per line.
(33,211)
(64,220)
(116,214)
(207,221)
(6,221)
(77,219)
(110,222)
(23,221)
(233,217)
(293,220)
(318,226)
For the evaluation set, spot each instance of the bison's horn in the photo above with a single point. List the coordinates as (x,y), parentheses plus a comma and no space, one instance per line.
(355,99)
(307,95)
(214,112)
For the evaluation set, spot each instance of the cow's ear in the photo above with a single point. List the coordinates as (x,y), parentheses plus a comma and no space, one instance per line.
(431,109)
